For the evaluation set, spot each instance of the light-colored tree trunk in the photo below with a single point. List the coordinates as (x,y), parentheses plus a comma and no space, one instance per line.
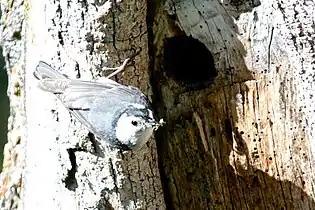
(60,165)
(233,80)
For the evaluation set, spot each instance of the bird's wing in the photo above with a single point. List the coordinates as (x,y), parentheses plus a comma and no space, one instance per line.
(77,94)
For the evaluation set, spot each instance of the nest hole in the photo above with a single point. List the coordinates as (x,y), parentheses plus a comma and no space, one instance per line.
(189,62)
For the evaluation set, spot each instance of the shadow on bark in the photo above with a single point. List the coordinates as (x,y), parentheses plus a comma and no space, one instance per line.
(199,176)
(237,7)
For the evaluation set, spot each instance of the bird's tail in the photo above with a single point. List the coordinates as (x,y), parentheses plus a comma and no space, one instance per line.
(50,80)
(45,71)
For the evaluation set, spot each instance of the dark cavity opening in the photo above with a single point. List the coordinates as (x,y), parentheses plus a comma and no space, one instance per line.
(4,107)
(189,62)
(70,181)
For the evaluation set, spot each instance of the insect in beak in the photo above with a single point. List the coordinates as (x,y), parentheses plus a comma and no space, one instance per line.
(156,125)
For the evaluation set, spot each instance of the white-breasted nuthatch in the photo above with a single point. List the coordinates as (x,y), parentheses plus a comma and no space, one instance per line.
(121,115)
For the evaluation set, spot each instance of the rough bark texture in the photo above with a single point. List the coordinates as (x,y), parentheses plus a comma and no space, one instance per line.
(64,167)
(12,43)
(238,100)
(233,81)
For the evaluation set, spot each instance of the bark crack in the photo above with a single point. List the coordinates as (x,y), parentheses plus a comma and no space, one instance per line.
(269,48)
(113,174)
(221,157)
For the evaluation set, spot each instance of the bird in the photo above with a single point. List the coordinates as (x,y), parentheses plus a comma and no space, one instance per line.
(118,114)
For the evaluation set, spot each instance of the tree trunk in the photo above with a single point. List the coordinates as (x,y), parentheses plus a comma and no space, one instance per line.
(233,81)
(64,166)
(237,96)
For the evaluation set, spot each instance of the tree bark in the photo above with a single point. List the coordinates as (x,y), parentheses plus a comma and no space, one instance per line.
(237,82)
(64,166)
(233,81)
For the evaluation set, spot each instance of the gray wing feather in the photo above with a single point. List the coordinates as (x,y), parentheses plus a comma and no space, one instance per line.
(78,94)
(82,97)
(55,82)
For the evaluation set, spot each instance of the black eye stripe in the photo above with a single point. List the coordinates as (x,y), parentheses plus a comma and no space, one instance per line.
(139,113)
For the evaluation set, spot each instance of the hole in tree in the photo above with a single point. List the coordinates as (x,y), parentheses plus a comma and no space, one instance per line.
(189,62)
(212,132)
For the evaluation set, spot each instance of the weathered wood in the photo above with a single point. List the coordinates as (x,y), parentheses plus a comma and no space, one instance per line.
(241,136)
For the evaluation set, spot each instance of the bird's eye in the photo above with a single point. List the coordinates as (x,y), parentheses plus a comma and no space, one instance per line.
(135,123)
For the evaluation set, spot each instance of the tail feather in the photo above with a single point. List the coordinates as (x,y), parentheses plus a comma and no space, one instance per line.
(44,71)
(50,79)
